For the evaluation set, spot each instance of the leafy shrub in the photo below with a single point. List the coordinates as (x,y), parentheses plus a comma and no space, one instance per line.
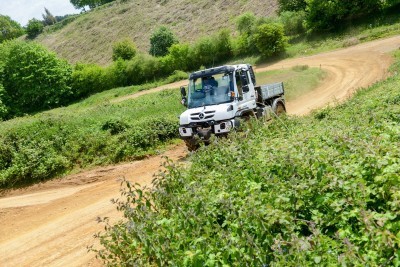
(3,107)
(246,23)
(178,57)
(291,5)
(223,45)
(160,41)
(124,49)
(9,29)
(335,13)
(115,126)
(270,39)
(293,22)
(34,28)
(35,78)
(204,52)
(88,79)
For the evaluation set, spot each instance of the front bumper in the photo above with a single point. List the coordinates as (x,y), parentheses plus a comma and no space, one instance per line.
(205,129)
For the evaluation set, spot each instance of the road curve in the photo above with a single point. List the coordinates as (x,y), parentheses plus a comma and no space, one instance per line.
(51,224)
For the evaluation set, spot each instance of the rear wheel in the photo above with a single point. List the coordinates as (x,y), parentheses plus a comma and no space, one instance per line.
(280,109)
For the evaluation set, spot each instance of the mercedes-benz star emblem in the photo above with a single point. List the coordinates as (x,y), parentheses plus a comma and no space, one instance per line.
(201,116)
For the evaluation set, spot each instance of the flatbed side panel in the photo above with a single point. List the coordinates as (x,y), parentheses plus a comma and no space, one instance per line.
(268,91)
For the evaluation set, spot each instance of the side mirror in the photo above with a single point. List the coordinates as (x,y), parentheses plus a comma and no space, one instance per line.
(183,91)
(245,89)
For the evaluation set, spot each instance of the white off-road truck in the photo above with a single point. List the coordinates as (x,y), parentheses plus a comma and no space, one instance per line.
(219,98)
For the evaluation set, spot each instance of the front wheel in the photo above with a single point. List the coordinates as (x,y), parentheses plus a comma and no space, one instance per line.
(192,144)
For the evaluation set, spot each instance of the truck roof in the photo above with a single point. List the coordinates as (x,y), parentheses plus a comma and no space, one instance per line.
(216,70)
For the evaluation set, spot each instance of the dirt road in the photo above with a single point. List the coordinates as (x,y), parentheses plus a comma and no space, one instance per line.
(52,224)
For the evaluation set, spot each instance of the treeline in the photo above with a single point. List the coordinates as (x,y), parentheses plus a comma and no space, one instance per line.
(322,15)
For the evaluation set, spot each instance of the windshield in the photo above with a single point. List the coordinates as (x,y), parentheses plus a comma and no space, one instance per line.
(210,90)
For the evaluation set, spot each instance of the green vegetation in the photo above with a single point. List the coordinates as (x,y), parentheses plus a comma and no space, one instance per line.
(317,190)
(162,39)
(89,3)
(125,50)
(89,133)
(270,39)
(34,28)
(9,29)
(33,78)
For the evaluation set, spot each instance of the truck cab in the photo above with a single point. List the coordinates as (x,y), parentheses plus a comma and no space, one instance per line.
(216,99)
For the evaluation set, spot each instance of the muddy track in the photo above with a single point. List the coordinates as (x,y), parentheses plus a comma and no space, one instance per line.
(51,224)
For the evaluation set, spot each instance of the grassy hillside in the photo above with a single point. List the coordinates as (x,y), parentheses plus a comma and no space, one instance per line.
(90,36)
(321,190)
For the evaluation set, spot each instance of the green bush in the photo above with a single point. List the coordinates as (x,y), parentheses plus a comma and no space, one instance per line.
(34,78)
(223,45)
(246,23)
(178,57)
(3,107)
(124,50)
(34,28)
(293,22)
(160,41)
(270,39)
(292,5)
(9,29)
(88,79)
(336,13)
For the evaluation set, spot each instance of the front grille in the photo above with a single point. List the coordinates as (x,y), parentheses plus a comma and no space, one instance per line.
(207,115)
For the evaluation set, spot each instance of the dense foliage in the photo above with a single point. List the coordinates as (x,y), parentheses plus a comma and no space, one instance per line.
(270,39)
(320,190)
(89,3)
(33,78)
(48,144)
(124,50)
(161,39)
(34,28)
(9,29)
(292,5)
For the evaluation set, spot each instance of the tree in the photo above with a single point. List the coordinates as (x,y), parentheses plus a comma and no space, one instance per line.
(34,28)
(292,5)
(9,29)
(48,18)
(162,39)
(90,3)
(336,12)
(124,50)
(270,39)
(245,23)
(34,78)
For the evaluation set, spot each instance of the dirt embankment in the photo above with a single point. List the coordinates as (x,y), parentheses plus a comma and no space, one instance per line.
(51,224)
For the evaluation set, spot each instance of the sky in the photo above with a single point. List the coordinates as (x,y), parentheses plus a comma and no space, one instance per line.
(24,10)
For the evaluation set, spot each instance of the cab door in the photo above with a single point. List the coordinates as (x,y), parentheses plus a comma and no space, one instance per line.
(245,89)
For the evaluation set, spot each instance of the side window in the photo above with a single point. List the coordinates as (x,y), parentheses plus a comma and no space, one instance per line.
(244,78)
(239,83)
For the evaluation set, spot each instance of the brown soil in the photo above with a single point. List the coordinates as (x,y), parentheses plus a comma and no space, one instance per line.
(51,224)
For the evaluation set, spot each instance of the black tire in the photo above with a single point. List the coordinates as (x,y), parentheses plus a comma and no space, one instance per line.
(280,109)
(192,144)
